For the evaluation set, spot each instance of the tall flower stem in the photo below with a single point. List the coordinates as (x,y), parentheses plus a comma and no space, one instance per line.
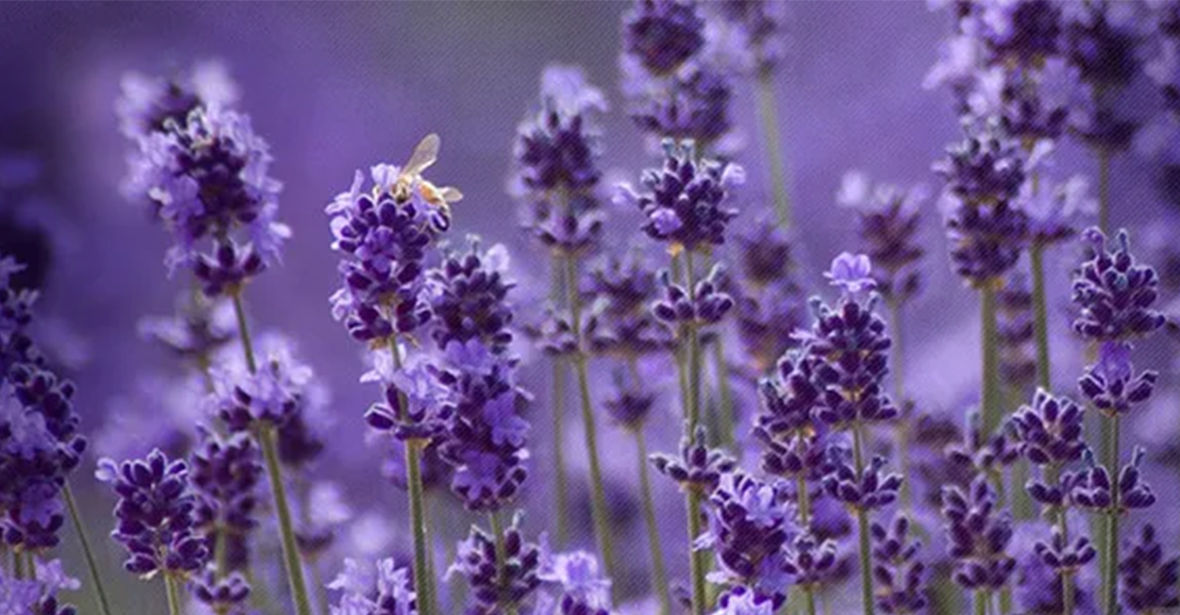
(602,530)
(862,522)
(1110,563)
(725,392)
(560,490)
(659,574)
(990,383)
(423,579)
(173,595)
(698,557)
(501,558)
(1040,316)
(100,591)
(693,356)
(803,498)
(902,432)
(769,116)
(267,437)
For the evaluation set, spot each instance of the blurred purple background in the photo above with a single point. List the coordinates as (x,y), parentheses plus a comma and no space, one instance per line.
(339,87)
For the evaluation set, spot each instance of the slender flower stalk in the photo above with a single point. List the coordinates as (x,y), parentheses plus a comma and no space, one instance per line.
(768,115)
(267,437)
(173,595)
(100,591)
(991,401)
(1036,254)
(659,574)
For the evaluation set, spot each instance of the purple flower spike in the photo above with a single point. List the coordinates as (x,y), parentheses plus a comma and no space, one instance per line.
(1115,292)
(1111,384)
(978,534)
(222,595)
(470,299)
(707,304)
(1148,580)
(1063,555)
(980,454)
(583,590)
(897,570)
(1094,489)
(809,560)
(498,585)
(873,489)
(853,273)
(686,201)
(225,474)
(697,466)
(1049,432)
(751,522)
(745,601)
(156,515)
(663,34)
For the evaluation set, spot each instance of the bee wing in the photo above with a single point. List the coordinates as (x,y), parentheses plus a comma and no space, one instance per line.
(450,194)
(424,155)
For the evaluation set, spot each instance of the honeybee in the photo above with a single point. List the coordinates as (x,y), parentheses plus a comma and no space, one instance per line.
(425,154)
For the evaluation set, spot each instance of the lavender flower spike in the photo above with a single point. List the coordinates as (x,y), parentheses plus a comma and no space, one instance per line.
(897,569)
(382,589)
(1114,291)
(1149,581)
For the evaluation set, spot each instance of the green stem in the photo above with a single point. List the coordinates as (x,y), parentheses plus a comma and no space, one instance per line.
(804,500)
(268,440)
(981,602)
(244,331)
(501,558)
(100,591)
(659,574)
(698,559)
(1111,561)
(862,521)
(1040,316)
(560,490)
(1103,189)
(725,392)
(173,595)
(18,565)
(768,115)
(602,529)
(991,359)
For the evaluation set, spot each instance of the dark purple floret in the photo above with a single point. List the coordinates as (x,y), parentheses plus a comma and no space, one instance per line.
(809,560)
(225,474)
(1063,555)
(789,397)
(1114,291)
(978,534)
(742,600)
(299,443)
(1111,384)
(897,570)
(662,34)
(557,151)
(985,168)
(197,328)
(267,396)
(767,319)
(226,595)
(871,489)
(383,236)
(575,228)
(697,466)
(497,586)
(1149,582)
(1093,488)
(1032,105)
(229,267)
(485,437)
(156,515)
(470,299)
(414,404)
(765,254)
(981,453)
(686,201)
(706,304)
(1050,430)
(1104,51)
(750,523)
(850,346)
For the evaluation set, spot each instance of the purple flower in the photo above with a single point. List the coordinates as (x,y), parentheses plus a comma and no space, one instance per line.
(690,191)
(981,453)
(583,590)
(382,589)
(889,220)
(744,601)
(759,27)
(1063,555)
(621,324)
(663,34)
(558,148)
(986,167)
(222,595)
(629,406)
(897,569)
(272,395)
(1111,385)
(417,382)
(751,522)
(1148,580)
(383,236)
(1049,431)
(225,473)
(810,561)
(208,179)
(148,104)
(37,596)
(16,312)
(1054,207)
(691,104)
(853,273)
(706,304)
(978,534)
(1014,320)
(470,298)
(496,584)
(196,330)
(870,489)
(1093,488)
(1114,291)
(155,515)
(697,466)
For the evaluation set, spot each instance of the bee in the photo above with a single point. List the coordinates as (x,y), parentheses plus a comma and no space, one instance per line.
(425,154)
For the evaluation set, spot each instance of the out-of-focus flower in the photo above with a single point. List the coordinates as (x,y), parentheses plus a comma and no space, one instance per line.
(155,515)
(853,273)
(1111,384)
(225,473)
(754,31)
(380,589)
(583,590)
(147,104)
(889,220)
(978,535)
(1148,580)
(663,34)
(199,327)
(498,583)
(897,569)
